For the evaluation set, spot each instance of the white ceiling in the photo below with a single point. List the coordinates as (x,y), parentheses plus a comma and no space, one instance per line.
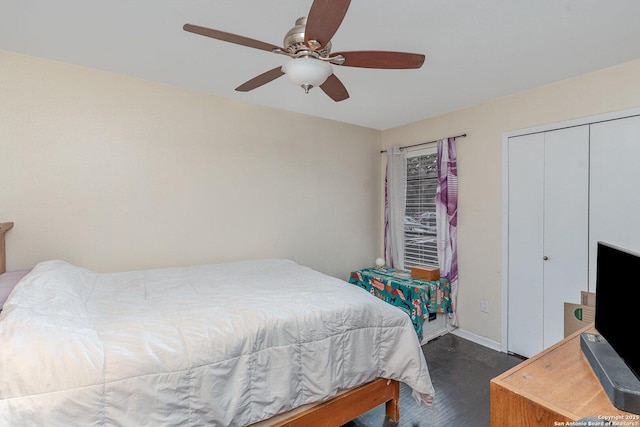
(476,50)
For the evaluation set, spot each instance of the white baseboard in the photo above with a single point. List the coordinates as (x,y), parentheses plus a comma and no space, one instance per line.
(440,326)
(494,345)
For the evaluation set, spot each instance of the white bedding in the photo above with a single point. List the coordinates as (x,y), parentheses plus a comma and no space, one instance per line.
(221,344)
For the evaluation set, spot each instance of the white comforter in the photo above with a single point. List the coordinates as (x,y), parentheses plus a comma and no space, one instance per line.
(222,344)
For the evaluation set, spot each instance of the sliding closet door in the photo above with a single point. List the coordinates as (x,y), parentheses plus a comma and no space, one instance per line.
(548,234)
(526,222)
(615,187)
(566,225)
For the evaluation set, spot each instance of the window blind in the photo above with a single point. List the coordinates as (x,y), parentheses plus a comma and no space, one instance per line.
(420,236)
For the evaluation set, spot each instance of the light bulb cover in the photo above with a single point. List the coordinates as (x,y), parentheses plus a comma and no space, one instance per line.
(307,71)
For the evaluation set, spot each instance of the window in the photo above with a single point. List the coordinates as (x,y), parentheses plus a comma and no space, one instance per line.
(420,241)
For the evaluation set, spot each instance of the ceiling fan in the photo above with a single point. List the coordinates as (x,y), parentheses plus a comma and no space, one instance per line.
(308,44)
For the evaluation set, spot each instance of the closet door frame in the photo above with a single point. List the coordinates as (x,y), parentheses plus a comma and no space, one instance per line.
(505,197)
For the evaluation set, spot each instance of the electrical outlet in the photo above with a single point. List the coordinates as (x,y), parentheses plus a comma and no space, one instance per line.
(484,306)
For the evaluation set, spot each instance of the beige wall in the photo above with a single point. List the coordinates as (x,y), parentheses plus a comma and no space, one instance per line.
(480,174)
(114,173)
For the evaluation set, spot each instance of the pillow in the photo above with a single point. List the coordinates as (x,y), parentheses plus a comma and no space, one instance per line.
(7,281)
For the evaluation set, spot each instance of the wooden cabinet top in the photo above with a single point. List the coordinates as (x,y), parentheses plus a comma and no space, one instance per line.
(561,380)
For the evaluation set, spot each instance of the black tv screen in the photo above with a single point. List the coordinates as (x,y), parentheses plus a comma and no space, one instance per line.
(617,299)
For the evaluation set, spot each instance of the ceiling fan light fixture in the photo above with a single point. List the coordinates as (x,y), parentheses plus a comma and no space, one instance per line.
(309,44)
(307,72)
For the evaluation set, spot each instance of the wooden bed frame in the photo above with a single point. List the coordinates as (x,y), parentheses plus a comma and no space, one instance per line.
(343,408)
(335,412)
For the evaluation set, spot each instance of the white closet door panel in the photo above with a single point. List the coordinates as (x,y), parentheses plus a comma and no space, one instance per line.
(566,224)
(614,187)
(526,179)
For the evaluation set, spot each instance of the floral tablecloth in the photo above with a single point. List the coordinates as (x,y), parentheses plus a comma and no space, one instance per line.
(416,297)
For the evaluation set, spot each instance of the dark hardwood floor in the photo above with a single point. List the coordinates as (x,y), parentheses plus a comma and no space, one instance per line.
(460,371)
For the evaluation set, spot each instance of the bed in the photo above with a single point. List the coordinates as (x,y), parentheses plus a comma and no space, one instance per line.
(264,342)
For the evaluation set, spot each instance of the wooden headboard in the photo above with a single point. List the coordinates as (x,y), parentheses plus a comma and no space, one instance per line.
(4,227)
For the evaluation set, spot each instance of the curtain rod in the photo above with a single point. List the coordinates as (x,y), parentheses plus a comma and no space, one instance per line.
(425,143)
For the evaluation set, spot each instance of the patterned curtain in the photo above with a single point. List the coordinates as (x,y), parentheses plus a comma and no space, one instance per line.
(447,217)
(395,195)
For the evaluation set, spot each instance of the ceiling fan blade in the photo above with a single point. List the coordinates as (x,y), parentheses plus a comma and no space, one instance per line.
(260,80)
(381,59)
(325,16)
(334,88)
(231,38)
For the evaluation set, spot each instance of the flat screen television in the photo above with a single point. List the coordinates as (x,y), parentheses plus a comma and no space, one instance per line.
(612,353)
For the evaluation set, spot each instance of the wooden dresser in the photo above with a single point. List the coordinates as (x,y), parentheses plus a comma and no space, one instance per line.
(553,388)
